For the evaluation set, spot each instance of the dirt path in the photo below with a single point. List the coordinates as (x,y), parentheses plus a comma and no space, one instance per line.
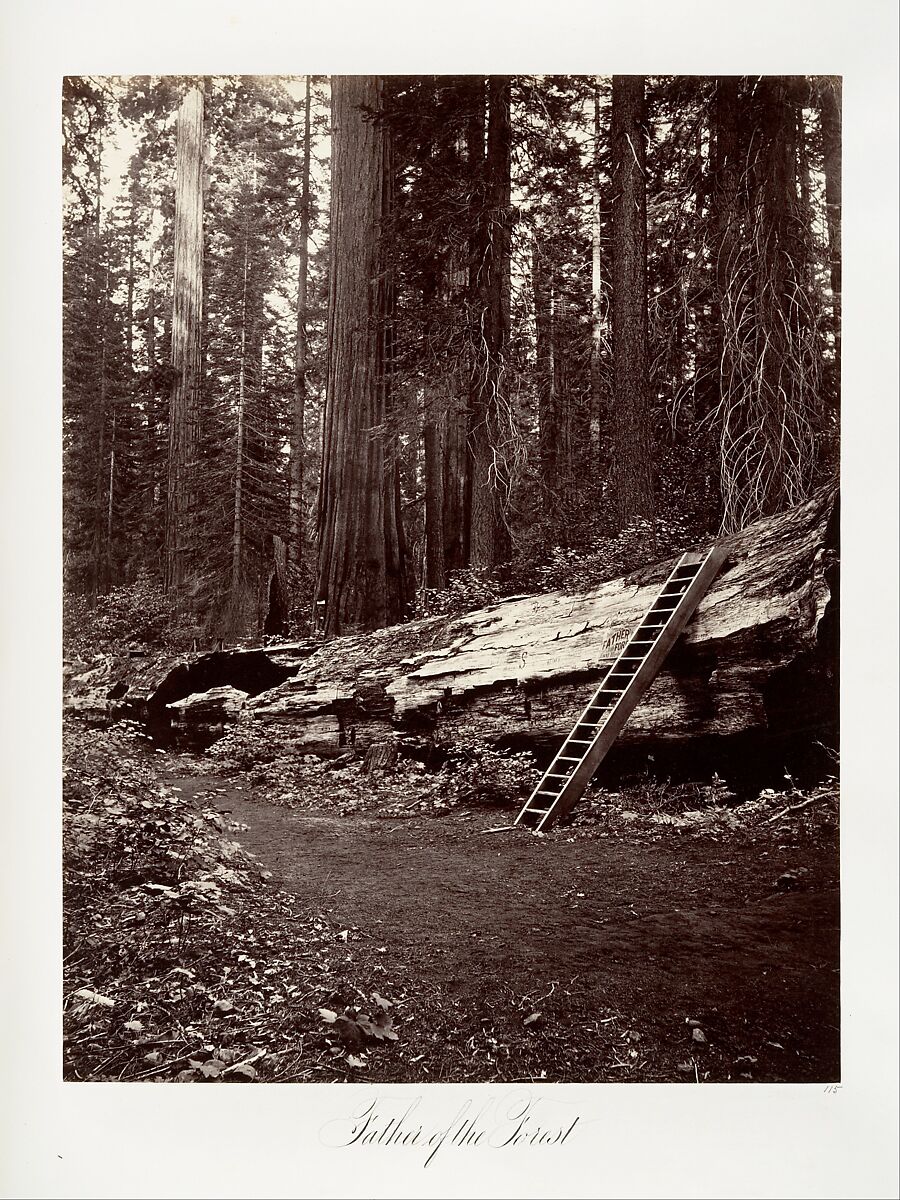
(660,932)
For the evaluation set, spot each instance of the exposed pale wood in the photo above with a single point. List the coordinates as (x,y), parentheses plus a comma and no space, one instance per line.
(207,711)
(524,667)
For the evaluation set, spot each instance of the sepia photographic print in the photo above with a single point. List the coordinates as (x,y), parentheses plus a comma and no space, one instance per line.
(452,578)
(454,669)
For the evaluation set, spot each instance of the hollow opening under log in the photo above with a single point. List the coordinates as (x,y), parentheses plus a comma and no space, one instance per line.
(252,672)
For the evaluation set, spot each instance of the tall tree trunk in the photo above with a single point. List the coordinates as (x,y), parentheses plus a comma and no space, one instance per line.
(237,534)
(830,114)
(187,308)
(110,499)
(360,570)
(779,278)
(596,287)
(769,411)
(434,424)
(130,398)
(726,218)
(301,351)
(156,420)
(100,287)
(490,545)
(571,429)
(548,416)
(463,281)
(631,428)
(435,553)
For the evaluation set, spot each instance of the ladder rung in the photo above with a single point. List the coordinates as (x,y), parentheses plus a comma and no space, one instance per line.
(625,681)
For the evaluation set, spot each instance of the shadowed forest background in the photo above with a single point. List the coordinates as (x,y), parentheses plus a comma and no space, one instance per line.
(402,345)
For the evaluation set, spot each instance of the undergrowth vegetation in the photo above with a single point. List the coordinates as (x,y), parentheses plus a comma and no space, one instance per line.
(138,614)
(180,961)
(474,773)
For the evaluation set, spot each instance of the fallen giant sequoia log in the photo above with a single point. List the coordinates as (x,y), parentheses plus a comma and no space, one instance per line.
(759,655)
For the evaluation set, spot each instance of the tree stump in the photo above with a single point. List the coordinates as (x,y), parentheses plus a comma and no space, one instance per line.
(380,756)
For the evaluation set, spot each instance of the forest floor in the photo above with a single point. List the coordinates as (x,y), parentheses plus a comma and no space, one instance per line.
(633,946)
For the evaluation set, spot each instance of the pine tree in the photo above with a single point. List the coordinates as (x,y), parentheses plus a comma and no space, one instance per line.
(633,455)
(301,350)
(490,542)
(95,367)
(250,380)
(187,305)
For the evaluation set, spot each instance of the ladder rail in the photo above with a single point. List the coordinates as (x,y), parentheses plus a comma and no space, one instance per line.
(592,703)
(609,724)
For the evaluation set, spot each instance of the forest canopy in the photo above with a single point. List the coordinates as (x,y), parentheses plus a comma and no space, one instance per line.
(363,348)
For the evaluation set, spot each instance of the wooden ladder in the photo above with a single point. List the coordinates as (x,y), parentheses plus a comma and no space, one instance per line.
(622,689)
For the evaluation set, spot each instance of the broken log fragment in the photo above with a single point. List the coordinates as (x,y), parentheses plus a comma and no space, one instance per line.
(207,712)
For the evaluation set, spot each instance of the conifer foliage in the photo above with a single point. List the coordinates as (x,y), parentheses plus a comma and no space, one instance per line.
(403,344)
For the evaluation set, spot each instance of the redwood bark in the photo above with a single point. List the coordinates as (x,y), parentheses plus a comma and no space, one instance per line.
(631,429)
(463,281)
(360,570)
